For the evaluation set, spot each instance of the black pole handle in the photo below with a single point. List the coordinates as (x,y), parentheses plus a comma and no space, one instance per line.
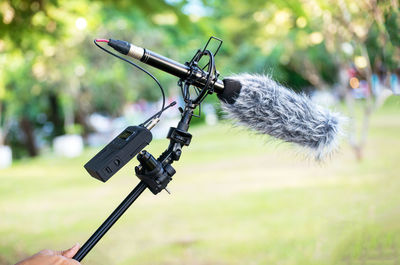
(108,223)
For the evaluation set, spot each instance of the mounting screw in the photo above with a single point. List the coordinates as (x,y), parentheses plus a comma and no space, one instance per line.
(178,153)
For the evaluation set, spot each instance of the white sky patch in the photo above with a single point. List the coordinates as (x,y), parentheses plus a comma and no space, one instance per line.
(196,7)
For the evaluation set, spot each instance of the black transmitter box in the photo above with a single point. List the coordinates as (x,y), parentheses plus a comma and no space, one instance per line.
(118,152)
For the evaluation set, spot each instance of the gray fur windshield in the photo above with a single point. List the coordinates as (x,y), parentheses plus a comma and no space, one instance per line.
(269,108)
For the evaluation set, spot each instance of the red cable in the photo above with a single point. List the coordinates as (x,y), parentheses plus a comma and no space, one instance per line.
(102,40)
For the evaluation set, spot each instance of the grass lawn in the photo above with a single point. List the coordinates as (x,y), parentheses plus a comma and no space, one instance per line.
(237,198)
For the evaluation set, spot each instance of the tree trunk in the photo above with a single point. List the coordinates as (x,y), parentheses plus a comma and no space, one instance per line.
(30,143)
(55,116)
(80,118)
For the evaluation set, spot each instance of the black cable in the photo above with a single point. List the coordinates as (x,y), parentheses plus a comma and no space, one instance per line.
(142,69)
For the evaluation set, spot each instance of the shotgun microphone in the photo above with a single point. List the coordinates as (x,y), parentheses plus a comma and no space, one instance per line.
(259,103)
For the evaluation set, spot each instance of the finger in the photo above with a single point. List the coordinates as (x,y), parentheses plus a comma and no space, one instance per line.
(69,253)
(73,262)
(68,261)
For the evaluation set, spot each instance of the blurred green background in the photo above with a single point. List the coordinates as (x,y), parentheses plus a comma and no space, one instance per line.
(237,198)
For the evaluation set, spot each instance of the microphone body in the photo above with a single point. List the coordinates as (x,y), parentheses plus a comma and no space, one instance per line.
(163,63)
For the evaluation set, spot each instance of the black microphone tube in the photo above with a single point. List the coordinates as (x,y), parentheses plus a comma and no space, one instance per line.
(163,63)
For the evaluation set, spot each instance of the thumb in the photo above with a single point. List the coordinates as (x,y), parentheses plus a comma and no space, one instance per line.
(69,253)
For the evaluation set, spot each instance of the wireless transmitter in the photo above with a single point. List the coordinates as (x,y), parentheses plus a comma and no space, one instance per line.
(118,152)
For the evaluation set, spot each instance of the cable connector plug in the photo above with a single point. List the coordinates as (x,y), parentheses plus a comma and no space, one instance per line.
(152,123)
(120,46)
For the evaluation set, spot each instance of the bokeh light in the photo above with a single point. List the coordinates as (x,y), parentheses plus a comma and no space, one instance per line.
(354,82)
(301,22)
(316,38)
(360,62)
(81,23)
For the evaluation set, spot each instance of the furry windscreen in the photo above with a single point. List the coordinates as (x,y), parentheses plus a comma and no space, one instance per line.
(269,108)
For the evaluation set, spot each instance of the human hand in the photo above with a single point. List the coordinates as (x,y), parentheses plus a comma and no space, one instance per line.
(51,257)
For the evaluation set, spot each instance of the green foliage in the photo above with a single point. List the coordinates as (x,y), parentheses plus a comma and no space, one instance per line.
(74,129)
(47,47)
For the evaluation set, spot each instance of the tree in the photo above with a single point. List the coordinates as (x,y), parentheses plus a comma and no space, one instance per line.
(320,40)
(53,68)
